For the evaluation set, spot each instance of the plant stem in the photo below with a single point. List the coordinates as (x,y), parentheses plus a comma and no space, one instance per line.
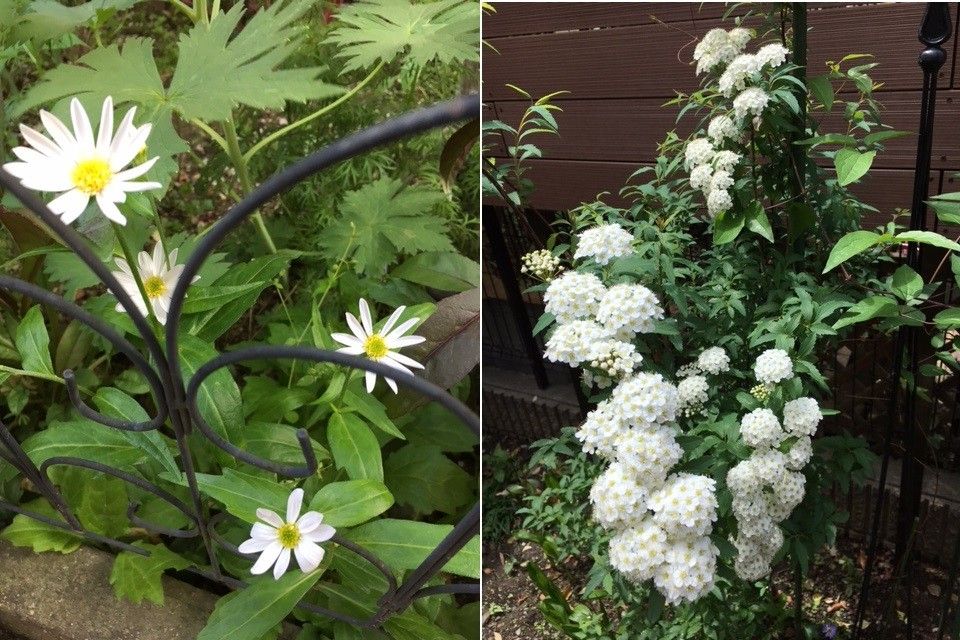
(246,185)
(210,131)
(134,267)
(279,133)
(343,390)
(183,8)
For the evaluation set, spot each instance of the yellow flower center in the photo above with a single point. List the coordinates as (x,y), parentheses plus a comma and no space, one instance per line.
(289,536)
(375,347)
(91,176)
(154,286)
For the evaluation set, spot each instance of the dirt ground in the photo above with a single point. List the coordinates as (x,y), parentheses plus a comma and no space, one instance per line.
(830,592)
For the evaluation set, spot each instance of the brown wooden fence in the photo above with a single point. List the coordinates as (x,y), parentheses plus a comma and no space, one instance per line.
(621,62)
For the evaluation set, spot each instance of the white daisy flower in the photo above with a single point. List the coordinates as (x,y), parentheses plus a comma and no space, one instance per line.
(276,539)
(380,346)
(159,277)
(79,167)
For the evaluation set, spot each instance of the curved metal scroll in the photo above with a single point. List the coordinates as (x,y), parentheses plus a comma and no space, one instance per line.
(176,400)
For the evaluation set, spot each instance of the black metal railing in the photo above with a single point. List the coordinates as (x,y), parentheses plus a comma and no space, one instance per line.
(176,400)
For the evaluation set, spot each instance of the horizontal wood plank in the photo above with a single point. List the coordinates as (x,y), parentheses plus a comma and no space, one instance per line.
(525,18)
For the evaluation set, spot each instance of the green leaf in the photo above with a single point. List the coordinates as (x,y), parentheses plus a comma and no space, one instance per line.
(347,504)
(867,309)
(24,531)
(410,625)
(906,283)
(215,73)
(206,298)
(455,152)
(258,274)
(726,227)
(947,319)
(99,501)
(48,19)
(758,222)
(373,410)
(354,447)
(426,480)
(435,425)
(822,89)
(375,31)
(117,404)
(240,493)
(33,343)
(137,578)
(852,165)
(251,613)
(928,237)
(383,220)
(84,439)
(278,442)
(404,544)
(218,398)
(883,136)
(851,244)
(439,270)
(73,347)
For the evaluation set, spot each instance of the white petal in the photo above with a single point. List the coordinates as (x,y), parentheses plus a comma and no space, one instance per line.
(128,150)
(309,556)
(131,187)
(402,359)
(351,351)
(137,171)
(387,360)
(404,341)
(160,313)
(110,210)
(371,379)
(260,531)
(403,328)
(106,126)
(270,517)
(81,125)
(59,132)
(267,558)
(145,264)
(321,534)
(158,258)
(356,327)
(69,205)
(391,383)
(294,502)
(39,178)
(365,316)
(309,521)
(254,545)
(347,339)
(40,142)
(123,266)
(124,131)
(32,156)
(282,563)
(392,320)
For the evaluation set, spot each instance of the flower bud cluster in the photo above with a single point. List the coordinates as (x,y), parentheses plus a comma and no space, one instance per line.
(541,264)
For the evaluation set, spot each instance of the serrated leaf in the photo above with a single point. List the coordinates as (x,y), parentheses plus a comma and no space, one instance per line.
(33,343)
(215,73)
(137,578)
(383,220)
(423,478)
(47,19)
(99,501)
(404,544)
(347,504)
(24,531)
(374,31)
(253,612)
(852,165)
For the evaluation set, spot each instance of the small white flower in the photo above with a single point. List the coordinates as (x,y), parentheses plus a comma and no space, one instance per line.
(772,55)
(698,151)
(79,167)
(718,201)
(700,177)
(736,74)
(773,366)
(722,128)
(380,346)
(159,275)
(576,342)
(725,160)
(750,101)
(298,535)
(761,428)
(714,360)
(573,296)
(604,243)
(801,416)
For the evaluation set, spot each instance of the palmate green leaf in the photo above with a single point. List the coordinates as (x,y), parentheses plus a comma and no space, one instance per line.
(383,220)
(426,480)
(347,504)
(46,19)
(24,531)
(215,73)
(404,544)
(253,612)
(137,578)
(33,343)
(374,31)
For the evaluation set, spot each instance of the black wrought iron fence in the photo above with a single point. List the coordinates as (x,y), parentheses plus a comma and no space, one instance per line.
(176,399)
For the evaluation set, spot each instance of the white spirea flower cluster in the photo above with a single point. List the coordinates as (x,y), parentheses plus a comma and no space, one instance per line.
(575,342)
(768,486)
(573,296)
(541,264)
(713,360)
(773,366)
(604,243)
(616,359)
(692,393)
(710,166)
(629,309)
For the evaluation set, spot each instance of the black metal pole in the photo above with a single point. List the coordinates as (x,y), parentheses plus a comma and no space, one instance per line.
(493,228)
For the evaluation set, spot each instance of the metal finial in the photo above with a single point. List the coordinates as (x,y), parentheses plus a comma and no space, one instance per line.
(935,29)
